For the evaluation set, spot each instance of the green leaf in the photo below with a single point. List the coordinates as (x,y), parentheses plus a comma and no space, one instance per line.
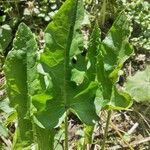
(115,48)
(119,100)
(26,86)
(45,138)
(77,76)
(114,51)
(70,91)
(100,102)
(20,74)
(5,37)
(93,49)
(83,104)
(138,86)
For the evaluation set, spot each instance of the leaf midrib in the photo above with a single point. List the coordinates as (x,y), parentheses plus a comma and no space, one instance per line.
(66,55)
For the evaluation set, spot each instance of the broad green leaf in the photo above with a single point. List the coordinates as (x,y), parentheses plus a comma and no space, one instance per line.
(70,92)
(83,104)
(19,70)
(24,84)
(114,51)
(138,86)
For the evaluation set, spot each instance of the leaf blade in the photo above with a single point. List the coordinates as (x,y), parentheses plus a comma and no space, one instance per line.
(69,16)
(19,64)
(138,86)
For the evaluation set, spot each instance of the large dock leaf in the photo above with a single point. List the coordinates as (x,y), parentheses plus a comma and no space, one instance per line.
(63,42)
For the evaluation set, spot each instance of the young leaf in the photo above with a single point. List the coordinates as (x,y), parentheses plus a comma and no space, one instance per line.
(138,86)
(63,42)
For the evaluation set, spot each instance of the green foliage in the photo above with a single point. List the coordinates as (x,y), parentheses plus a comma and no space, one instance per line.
(44,91)
(63,42)
(19,71)
(138,12)
(5,37)
(138,86)
(22,83)
(114,51)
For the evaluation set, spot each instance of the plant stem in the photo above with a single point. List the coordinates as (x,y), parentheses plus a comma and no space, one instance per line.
(66,131)
(103,12)
(106,129)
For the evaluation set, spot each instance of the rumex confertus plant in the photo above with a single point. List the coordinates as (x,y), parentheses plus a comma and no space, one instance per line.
(44,88)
